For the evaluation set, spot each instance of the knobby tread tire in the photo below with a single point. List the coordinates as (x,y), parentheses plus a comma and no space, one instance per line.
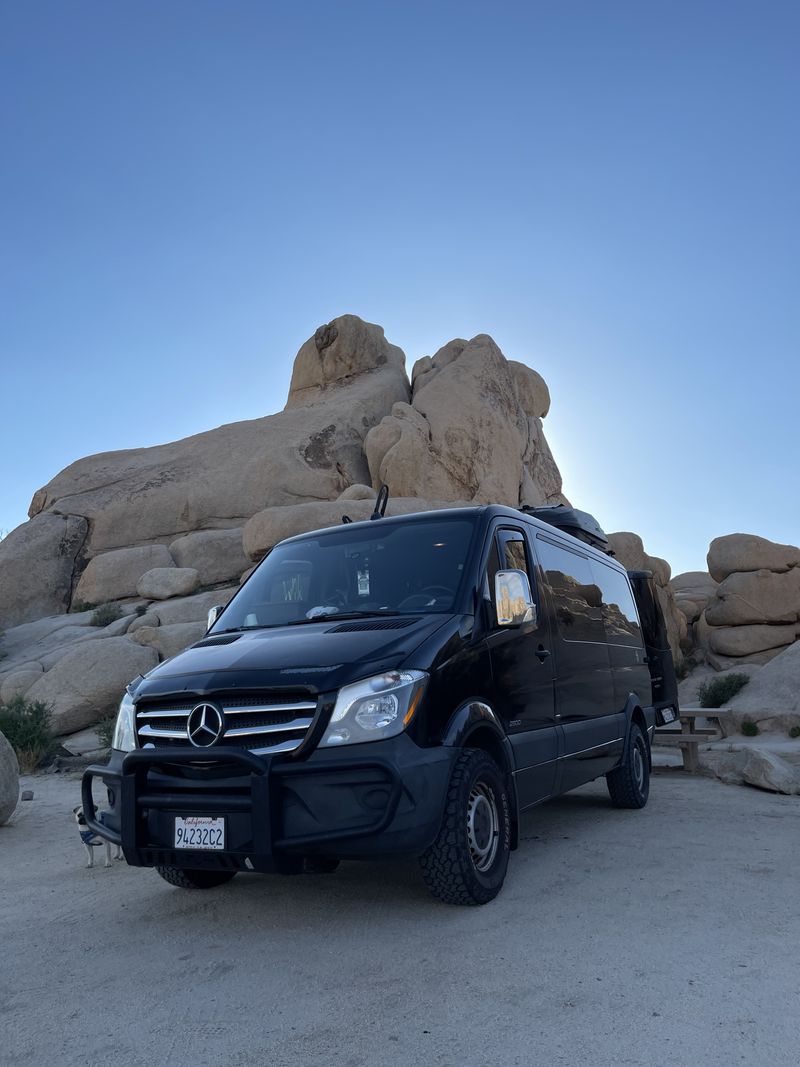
(183,879)
(447,866)
(623,788)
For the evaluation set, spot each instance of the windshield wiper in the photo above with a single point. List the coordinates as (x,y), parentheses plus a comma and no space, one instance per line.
(240,629)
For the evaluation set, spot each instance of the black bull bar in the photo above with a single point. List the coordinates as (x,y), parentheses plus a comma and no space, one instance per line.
(256,798)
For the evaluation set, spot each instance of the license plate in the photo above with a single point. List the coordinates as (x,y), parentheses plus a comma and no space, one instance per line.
(668,715)
(200,832)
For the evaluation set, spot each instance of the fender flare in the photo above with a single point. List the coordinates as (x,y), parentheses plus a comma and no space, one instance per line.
(473,715)
(632,705)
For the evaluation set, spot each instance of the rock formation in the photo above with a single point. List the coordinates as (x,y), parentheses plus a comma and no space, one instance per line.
(755,611)
(166,532)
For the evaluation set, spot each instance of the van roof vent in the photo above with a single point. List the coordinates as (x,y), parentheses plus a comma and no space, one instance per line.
(580,524)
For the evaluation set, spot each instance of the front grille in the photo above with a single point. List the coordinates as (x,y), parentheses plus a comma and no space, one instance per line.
(265,723)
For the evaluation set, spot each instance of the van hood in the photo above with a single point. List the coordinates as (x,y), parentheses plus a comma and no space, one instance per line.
(316,656)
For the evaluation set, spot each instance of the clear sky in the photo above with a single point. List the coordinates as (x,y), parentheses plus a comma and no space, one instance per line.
(610,189)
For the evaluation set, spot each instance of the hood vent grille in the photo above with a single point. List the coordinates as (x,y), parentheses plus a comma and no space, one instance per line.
(372,624)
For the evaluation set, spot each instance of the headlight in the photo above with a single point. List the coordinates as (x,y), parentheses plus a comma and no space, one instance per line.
(125,730)
(376,708)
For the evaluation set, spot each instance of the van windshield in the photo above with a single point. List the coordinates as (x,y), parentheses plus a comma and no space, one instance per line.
(386,568)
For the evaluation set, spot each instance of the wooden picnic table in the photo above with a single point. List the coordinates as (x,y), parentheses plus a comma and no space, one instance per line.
(685,733)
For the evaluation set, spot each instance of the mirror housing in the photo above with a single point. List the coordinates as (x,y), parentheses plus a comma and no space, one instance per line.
(213,615)
(513,602)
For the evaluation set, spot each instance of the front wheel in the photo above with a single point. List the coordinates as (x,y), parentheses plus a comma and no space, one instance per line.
(629,784)
(467,862)
(194,879)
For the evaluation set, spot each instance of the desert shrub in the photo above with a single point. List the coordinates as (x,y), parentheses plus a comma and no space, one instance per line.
(749,729)
(720,690)
(27,727)
(794,731)
(105,730)
(77,606)
(105,615)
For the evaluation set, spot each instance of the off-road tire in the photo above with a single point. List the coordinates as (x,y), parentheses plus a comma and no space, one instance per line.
(450,868)
(194,879)
(629,784)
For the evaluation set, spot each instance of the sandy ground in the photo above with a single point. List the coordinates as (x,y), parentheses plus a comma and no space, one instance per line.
(667,936)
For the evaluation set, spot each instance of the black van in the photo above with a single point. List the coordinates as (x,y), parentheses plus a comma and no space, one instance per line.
(401,687)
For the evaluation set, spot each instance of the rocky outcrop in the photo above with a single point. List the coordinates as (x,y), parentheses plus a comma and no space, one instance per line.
(346,379)
(753,610)
(9,780)
(738,552)
(471,432)
(629,550)
(88,682)
(771,699)
(37,563)
(115,575)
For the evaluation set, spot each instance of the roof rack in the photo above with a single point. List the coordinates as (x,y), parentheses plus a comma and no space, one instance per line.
(579,524)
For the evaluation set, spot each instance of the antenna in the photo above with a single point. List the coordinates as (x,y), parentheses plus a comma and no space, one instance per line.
(380,502)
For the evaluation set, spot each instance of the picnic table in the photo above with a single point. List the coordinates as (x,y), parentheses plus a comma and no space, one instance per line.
(685,733)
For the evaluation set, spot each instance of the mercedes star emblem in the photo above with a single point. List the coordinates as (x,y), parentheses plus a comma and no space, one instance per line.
(205,725)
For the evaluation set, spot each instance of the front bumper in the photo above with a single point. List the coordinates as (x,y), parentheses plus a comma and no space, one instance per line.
(376,800)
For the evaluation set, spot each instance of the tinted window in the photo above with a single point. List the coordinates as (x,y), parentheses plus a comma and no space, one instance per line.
(619,611)
(386,566)
(576,597)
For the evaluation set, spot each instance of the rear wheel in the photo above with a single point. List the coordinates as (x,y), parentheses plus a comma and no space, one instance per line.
(629,784)
(194,879)
(467,862)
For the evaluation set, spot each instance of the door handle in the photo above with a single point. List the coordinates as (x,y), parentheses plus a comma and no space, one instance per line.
(542,653)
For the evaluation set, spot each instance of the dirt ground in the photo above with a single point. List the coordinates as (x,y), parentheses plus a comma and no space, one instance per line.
(667,936)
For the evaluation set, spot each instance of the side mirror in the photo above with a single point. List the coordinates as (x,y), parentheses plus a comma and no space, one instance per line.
(512,598)
(213,615)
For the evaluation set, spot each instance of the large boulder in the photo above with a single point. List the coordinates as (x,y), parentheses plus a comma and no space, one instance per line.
(221,477)
(37,561)
(17,683)
(216,555)
(9,780)
(88,682)
(766,770)
(115,575)
(168,641)
(746,640)
(748,552)
(340,352)
(466,433)
(772,693)
(164,583)
(762,596)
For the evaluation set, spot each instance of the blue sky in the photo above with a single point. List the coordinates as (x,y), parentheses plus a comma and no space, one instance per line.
(188,189)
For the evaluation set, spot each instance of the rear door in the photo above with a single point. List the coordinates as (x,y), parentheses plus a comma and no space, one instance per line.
(523,674)
(586,707)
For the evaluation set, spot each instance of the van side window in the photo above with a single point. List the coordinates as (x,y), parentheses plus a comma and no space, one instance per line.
(620,617)
(576,597)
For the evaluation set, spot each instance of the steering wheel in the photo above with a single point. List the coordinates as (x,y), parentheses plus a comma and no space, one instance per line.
(421,599)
